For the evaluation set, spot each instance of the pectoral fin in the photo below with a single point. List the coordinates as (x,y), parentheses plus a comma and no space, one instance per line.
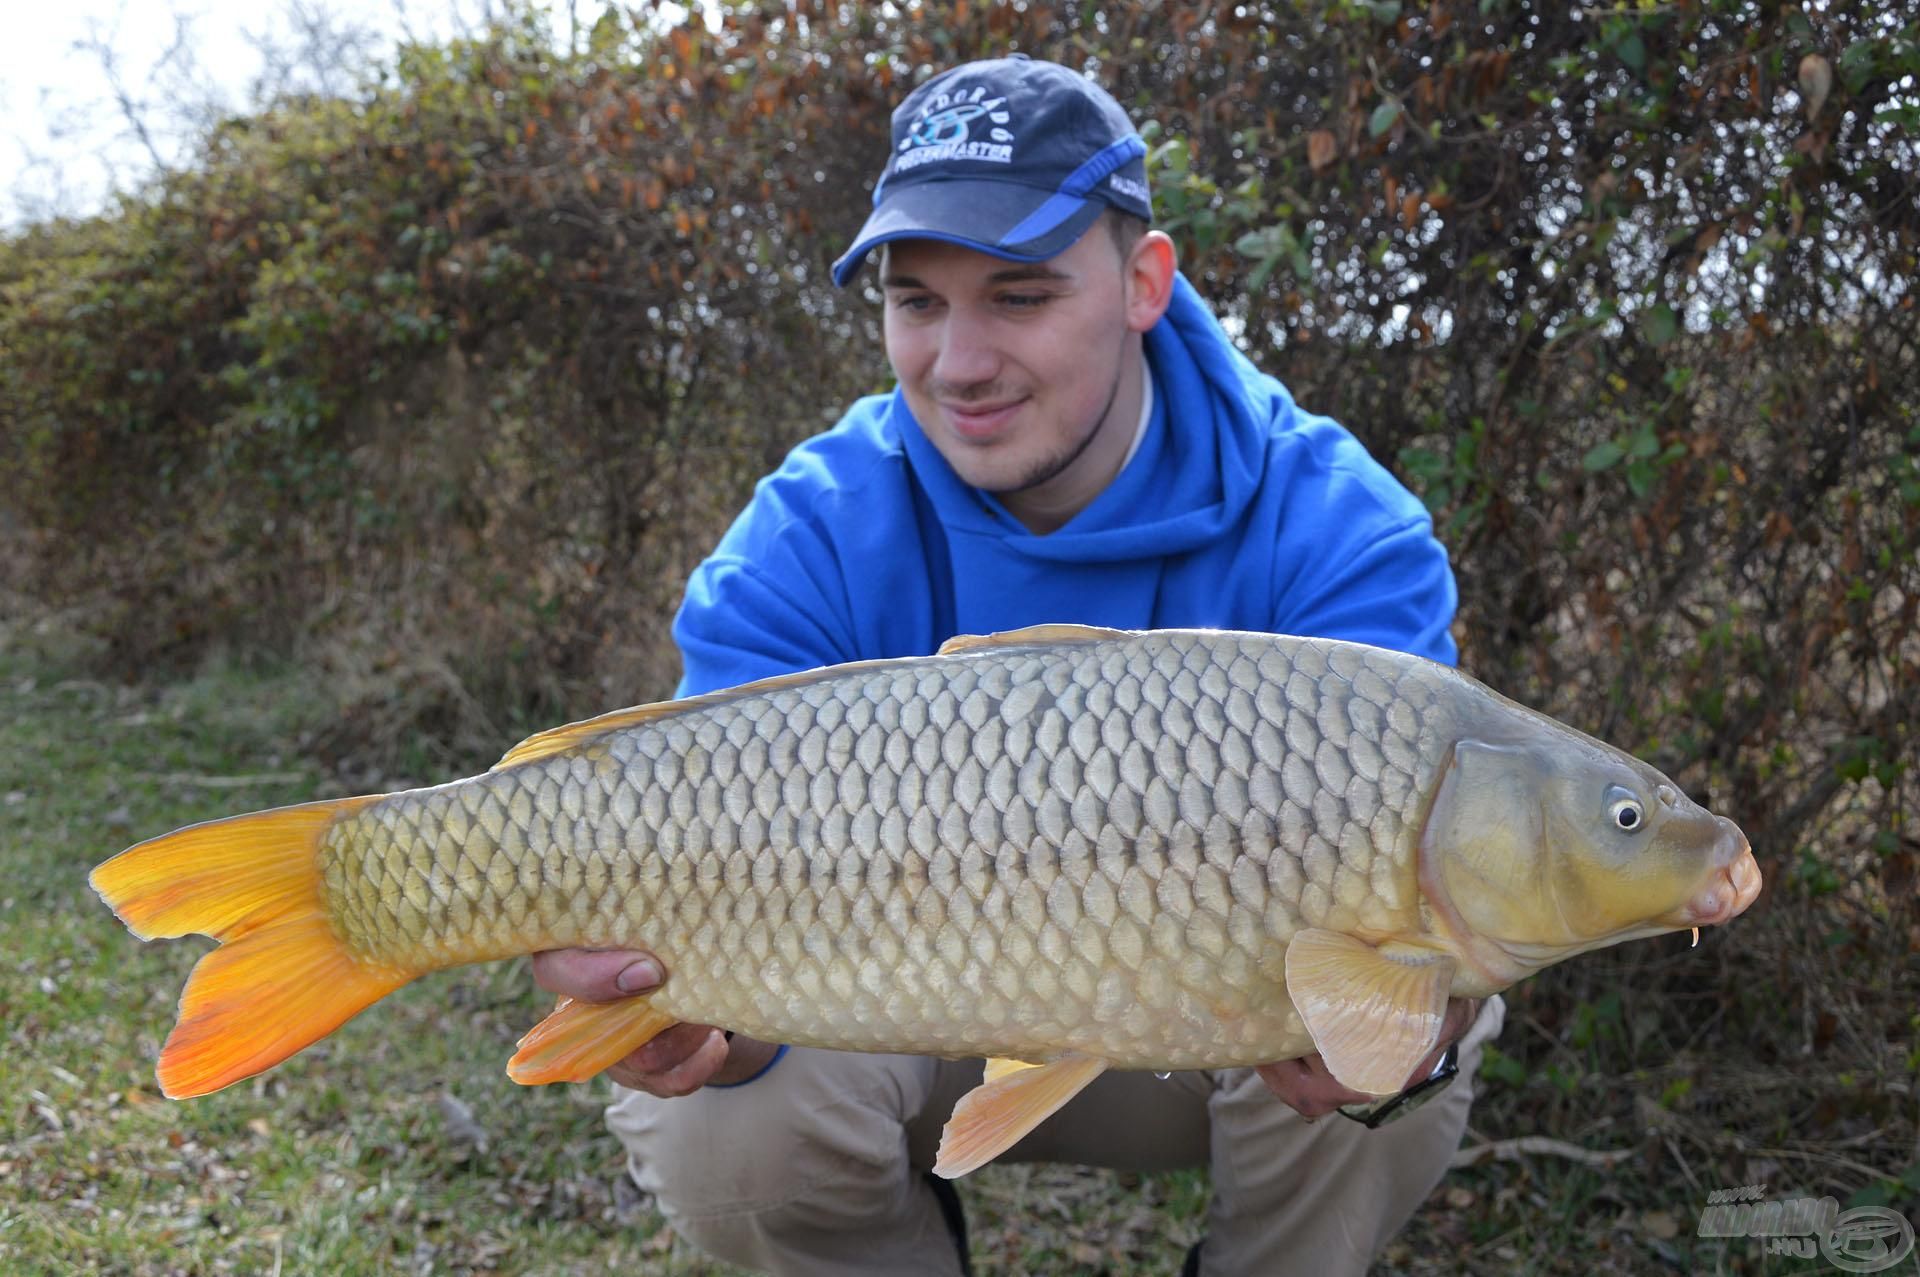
(991,1118)
(1373,1014)
(580,1039)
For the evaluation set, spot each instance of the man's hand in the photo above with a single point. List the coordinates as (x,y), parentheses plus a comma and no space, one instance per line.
(1307,1086)
(680,1060)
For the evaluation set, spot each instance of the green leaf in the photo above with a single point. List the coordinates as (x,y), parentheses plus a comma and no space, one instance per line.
(1632,51)
(1856,64)
(1876,1194)
(1497,1066)
(1258,280)
(1662,325)
(1302,259)
(1602,457)
(1382,118)
(1263,243)
(1676,1092)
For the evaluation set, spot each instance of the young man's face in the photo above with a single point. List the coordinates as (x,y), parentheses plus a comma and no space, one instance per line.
(1026,377)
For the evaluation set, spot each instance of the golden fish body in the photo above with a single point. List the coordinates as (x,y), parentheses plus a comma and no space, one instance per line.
(1073,847)
(1009,851)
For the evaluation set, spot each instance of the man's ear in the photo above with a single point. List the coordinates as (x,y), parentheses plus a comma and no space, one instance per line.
(1150,270)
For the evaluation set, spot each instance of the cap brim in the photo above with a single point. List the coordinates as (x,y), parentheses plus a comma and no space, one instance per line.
(981,215)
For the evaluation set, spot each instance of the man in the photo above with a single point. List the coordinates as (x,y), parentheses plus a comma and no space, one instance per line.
(1072,438)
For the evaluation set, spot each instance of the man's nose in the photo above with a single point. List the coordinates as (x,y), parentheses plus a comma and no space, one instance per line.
(967,353)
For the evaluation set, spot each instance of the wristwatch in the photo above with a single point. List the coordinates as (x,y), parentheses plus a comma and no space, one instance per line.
(1394,1107)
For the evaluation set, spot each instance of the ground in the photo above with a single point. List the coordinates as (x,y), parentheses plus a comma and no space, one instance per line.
(398,1145)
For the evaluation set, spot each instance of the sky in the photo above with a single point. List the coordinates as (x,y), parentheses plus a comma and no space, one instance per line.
(64,137)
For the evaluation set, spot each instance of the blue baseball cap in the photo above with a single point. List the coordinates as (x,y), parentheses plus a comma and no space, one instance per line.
(1010,157)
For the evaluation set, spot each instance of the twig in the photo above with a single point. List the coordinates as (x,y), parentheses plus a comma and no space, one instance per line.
(1528,1145)
(1673,1150)
(1808,1155)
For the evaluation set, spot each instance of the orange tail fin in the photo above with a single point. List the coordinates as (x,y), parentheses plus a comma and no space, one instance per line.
(281,979)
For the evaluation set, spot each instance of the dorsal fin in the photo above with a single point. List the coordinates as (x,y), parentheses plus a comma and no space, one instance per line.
(1052,632)
(556,740)
(559,739)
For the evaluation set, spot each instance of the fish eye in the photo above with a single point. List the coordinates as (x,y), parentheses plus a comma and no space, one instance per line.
(1625,810)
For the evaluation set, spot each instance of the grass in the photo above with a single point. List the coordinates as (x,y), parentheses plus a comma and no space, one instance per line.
(360,1154)
(342,1161)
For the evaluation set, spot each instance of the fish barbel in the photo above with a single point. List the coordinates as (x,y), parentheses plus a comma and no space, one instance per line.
(1064,848)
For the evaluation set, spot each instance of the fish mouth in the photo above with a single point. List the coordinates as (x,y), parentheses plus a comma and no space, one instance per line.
(1732,885)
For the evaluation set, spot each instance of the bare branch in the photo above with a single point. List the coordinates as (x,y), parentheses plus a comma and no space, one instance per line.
(133,111)
(1538,1146)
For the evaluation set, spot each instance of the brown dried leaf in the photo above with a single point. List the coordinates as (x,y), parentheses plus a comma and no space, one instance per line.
(1816,82)
(1321,149)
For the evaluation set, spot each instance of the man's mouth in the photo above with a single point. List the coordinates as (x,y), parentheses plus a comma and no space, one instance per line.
(981,421)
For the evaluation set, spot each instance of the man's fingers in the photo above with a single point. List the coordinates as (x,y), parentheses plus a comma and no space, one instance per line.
(1306,1086)
(1461,1013)
(669,1048)
(1309,1087)
(686,1074)
(596,975)
(1427,1066)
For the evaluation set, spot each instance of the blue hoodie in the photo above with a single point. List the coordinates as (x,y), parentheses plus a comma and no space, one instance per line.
(1239,511)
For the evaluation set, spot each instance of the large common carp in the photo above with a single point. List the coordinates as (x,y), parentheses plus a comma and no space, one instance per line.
(1065,848)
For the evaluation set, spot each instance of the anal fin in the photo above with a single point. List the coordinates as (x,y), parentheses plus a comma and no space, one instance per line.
(997,1069)
(580,1039)
(991,1118)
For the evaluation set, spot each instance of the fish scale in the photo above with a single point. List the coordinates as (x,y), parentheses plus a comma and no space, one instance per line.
(1102,846)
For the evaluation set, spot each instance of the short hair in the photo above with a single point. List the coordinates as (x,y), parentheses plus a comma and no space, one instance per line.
(1125,228)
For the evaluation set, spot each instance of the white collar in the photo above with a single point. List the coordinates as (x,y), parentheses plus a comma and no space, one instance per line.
(1146,413)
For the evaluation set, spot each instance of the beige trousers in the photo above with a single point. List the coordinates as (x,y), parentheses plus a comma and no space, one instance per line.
(814,1168)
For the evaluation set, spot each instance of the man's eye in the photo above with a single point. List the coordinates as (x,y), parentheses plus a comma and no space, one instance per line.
(1027,301)
(912,302)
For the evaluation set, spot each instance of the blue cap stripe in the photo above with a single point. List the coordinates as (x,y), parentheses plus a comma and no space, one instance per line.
(1108,159)
(1072,196)
(1056,210)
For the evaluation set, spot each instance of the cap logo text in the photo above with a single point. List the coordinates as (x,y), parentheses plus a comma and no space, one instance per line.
(945,131)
